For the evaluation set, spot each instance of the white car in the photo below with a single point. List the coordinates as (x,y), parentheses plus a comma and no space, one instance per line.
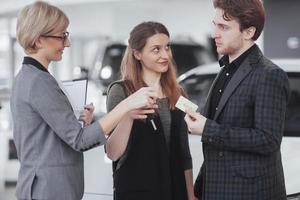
(98,169)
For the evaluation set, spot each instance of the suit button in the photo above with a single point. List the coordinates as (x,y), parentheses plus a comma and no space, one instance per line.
(221,153)
(210,140)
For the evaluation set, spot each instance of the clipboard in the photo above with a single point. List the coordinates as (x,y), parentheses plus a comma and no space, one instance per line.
(76,91)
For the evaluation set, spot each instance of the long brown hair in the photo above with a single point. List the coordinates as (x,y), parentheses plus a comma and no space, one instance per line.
(131,68)
(247,12)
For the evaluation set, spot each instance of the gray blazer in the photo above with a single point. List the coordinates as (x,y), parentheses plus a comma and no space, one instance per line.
(48,138)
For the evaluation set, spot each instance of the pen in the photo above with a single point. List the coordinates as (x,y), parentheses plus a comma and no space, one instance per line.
(153,124)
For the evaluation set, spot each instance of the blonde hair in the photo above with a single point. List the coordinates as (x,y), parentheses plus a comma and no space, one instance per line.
(38,19)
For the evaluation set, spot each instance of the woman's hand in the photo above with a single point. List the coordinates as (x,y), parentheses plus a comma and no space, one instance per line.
(142,112)
(87,114)
(193,198)
(144,97)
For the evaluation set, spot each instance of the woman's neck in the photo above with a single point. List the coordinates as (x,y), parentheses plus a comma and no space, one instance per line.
(153,80)
(40,59)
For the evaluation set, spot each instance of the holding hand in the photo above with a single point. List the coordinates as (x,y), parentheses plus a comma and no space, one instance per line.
(144,97)
(195,122)
(87,114)
(142,112)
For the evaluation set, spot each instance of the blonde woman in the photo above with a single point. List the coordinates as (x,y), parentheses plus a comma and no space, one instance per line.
(48,137)
(151,157)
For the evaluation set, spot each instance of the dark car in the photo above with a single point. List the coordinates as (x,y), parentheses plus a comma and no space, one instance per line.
(187,55)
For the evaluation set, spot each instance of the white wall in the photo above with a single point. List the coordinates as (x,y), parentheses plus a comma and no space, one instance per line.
(114,20)
(118,18)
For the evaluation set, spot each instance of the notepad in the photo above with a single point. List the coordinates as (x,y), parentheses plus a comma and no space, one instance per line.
(76,91)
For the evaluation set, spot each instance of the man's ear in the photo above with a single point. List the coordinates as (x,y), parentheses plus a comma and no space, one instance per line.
(137,54)
(249,32)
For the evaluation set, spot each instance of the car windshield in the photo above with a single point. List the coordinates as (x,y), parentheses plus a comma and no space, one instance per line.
(189,56)
(197,87)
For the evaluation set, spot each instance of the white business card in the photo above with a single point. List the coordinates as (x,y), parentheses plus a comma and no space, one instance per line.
(184,104)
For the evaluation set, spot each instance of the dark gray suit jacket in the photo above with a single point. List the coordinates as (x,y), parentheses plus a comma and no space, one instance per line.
(241,145)
(48,137)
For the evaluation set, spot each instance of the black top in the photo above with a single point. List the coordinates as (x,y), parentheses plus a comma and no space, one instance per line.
(227,73)
(117,94)
(35,63)
(149,171)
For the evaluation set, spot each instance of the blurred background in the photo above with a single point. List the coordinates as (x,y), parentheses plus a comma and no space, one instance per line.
(99,30)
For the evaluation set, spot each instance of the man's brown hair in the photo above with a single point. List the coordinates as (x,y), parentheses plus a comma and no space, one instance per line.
(247,12)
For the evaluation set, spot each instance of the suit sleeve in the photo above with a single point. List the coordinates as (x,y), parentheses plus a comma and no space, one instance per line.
(53,106)
(269,115)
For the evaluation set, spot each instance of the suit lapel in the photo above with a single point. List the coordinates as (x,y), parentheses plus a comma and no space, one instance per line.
(241,73)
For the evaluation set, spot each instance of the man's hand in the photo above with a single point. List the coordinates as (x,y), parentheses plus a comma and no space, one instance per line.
(195,122)
(87,114)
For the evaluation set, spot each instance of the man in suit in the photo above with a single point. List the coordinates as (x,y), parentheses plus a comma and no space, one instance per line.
(242,122)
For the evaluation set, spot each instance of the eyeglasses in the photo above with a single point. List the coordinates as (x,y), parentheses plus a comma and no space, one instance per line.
(62,38)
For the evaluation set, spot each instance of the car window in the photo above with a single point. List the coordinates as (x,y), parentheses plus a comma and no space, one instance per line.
(113,55)
(189,56)
(111,63)
(292,122)
(197,88)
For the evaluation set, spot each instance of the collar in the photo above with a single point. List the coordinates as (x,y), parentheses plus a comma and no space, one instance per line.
(224,61)
(35,63)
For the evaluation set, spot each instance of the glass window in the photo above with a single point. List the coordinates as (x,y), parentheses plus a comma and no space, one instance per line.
(292,122)
(197,87)
(111,63)
(4,49)
(12,151)
(189,56)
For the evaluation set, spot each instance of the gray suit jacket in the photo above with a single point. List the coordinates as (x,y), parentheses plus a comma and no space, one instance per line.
(48,138)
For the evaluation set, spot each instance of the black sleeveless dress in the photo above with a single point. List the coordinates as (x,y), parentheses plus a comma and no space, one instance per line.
(151,171)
